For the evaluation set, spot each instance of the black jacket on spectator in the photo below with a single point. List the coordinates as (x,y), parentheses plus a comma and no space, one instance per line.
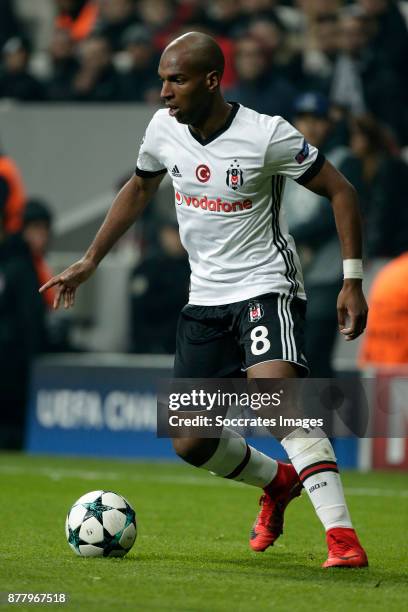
(384,207)
(137,82)
(114,31)
(391,38)
(108,88)
(158,291)
(22,334)
(59,85)
(268,94)
(21,86)
(383,92)
(22,327)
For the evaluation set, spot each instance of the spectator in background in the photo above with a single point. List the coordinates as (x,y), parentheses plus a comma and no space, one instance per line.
(385,341)
(22,333)
(222,18)
(382,182)
(364,78)
(320,52)
(16,82)
(311,223)
(97,80)
(256,7)
(313,9)
(286,14)
(12,195)
(158,291)
(162,18)
(269,31)
(347,88)
(140,82)
(390,35)
(37,233)
(78,17)
(115,17)
(258,86)
(64,66)
(387,93)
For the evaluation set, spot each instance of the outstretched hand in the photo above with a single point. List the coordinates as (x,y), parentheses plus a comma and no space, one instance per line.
(352,310)
(68,281)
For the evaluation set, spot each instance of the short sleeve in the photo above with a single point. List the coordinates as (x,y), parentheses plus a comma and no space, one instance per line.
(288,153)
(148,162)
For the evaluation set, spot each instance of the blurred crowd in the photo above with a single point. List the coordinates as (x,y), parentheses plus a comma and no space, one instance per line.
(354,52)
(336,69)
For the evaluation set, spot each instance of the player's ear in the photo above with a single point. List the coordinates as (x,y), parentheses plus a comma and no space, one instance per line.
(213,80)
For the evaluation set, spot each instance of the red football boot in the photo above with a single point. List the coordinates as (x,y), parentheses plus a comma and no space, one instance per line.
(345,549)
(269,523)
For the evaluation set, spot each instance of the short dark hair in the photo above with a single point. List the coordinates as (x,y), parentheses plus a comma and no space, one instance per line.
(37,210)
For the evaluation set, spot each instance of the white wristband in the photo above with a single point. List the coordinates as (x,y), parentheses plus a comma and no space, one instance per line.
(353,268)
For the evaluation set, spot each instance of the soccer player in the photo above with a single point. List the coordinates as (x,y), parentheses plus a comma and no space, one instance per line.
(247,302)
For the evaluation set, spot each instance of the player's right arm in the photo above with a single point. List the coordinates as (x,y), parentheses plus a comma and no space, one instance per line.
(126,208)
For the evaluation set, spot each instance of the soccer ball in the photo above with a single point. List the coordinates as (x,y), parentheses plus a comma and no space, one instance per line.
(101,524)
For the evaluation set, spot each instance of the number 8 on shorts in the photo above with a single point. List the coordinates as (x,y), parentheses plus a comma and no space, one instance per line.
(260,343)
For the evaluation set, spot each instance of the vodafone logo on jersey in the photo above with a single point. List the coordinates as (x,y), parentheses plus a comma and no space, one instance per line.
(213,204)
(203,173)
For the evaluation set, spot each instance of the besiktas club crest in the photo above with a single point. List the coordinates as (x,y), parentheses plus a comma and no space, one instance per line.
(255,312)
(234,176)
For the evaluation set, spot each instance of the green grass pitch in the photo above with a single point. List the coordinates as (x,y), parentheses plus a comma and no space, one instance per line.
(192,551)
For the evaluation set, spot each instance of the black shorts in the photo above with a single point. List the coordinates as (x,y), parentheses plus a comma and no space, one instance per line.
(224,341)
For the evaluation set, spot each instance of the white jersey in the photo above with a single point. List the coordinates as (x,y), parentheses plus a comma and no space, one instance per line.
(228,192)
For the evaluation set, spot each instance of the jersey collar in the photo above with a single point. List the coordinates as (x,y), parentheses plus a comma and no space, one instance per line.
(224,128)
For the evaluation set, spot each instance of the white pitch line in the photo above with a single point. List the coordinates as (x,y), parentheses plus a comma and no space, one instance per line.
(59,474)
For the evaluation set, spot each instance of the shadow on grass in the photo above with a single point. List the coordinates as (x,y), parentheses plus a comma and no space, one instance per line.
(293,568)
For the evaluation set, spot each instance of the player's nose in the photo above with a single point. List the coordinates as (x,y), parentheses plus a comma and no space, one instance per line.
(166,91)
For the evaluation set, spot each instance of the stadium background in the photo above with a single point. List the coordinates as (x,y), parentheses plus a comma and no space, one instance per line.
(77,87)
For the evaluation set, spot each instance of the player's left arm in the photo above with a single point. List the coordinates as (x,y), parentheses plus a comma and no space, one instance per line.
(352,307)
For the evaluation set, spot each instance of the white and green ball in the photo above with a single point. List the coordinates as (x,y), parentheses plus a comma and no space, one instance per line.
(101,524)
